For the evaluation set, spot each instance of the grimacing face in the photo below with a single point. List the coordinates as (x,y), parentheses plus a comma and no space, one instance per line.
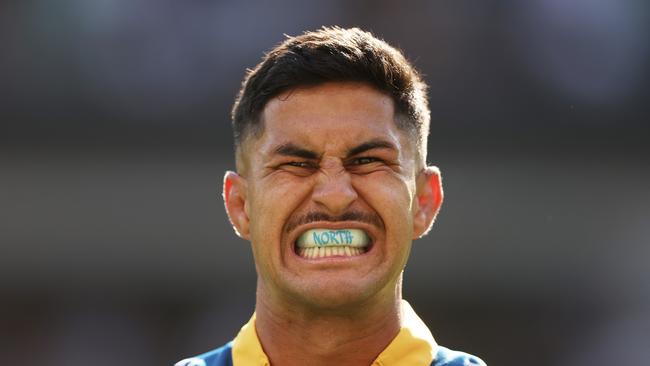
(331,158)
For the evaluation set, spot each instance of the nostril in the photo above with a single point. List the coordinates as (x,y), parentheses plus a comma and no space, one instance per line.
(335,194)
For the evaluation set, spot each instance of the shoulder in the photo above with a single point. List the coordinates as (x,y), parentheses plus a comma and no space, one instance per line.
(221,356)
(447,357)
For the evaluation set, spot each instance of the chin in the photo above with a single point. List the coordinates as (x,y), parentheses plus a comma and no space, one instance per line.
(337,295)
(334,303)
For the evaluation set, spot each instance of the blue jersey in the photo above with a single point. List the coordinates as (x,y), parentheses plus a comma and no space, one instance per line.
(223,357)
(412,346)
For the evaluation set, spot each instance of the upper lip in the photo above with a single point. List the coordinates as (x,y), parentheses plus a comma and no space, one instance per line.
(368,228)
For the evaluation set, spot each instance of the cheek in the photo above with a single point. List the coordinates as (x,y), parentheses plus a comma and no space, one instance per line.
(272,203)
(390,196)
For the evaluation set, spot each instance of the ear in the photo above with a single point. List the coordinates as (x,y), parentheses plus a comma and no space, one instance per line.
(429,197)
(234,197)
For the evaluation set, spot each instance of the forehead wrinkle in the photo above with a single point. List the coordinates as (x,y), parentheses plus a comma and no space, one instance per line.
(301,144)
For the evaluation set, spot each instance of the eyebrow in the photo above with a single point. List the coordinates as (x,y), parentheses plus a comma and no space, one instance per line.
(370,145)
(291,149)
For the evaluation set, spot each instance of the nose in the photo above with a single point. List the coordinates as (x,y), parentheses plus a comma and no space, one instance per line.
(334,191)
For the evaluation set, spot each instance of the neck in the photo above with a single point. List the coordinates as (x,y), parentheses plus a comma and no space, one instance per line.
(292,333)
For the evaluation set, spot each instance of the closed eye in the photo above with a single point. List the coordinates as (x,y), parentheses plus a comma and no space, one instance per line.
(364,160)
(299,164)
(365,165)
(300,168)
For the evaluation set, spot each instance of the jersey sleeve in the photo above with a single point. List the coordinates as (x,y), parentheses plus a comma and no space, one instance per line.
(447,357)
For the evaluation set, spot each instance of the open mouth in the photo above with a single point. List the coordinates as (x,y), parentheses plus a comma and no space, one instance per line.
(323,243)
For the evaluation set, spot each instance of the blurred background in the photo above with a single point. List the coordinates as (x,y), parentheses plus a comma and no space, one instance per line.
(115,133)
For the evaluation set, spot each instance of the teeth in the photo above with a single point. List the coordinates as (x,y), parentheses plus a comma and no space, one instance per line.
(319,252)
(353,238)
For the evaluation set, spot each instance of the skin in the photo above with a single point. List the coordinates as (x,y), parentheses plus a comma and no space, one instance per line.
(330,149)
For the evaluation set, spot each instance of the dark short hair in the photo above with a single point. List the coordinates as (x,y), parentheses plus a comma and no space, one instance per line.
(333,54)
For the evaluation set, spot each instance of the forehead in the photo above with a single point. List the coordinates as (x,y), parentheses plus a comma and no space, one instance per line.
(352,100)
(328,118)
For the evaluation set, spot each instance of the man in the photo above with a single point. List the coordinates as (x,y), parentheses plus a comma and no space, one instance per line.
(331,188)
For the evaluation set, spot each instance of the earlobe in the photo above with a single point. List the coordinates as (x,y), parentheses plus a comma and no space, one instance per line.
(234,197)
(429,200)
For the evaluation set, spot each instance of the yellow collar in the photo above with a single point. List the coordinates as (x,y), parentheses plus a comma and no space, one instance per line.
(414,345)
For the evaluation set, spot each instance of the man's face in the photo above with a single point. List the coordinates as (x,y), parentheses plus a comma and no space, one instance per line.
(331,160)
